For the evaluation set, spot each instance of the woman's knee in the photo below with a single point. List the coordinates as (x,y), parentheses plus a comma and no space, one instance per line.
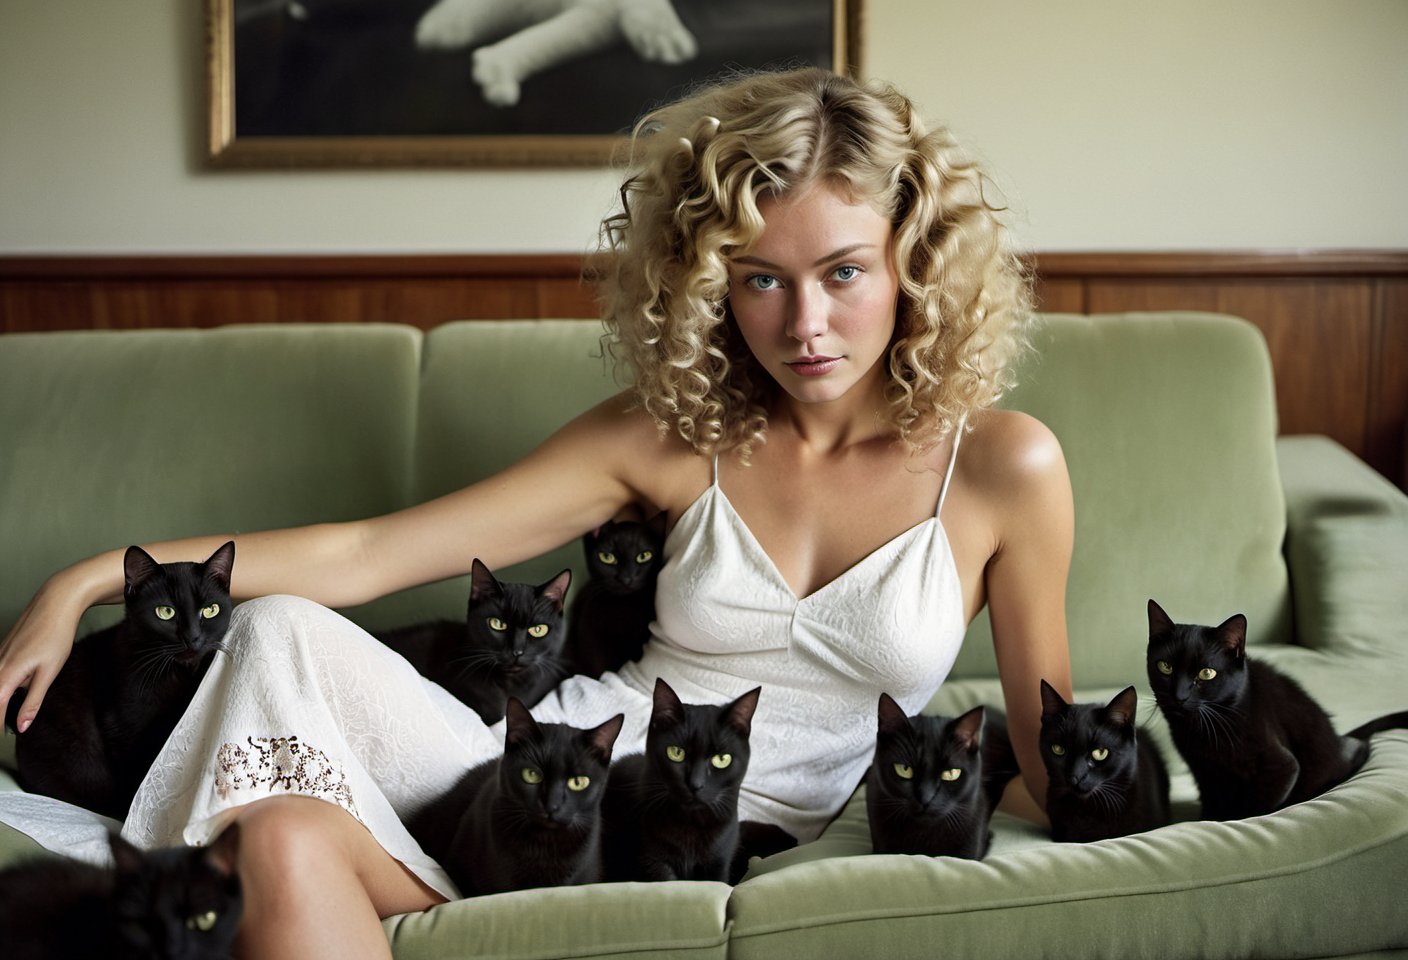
(287,839)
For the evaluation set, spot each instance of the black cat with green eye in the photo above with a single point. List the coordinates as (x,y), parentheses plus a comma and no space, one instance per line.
(510,643)
(611,616)
(672,812)
(1103,778)
(532,818)
(122,691)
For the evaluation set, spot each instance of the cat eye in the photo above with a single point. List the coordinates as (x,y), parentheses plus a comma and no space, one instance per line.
(1165,667)
(497,625)
(1059,750)
(203,922)
(1207,673)
(644,556)
(721,760)
(951,775)
(164,612)
(579,784)
(211,611)
(531,776)
(676,754)
(1099,753)
(538,630)
(607,558)
(904,772)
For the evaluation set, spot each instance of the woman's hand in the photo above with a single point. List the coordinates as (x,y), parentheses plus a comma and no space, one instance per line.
(36,648)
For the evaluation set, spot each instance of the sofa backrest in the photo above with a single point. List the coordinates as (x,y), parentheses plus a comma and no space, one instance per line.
(1167,422)
(108,439)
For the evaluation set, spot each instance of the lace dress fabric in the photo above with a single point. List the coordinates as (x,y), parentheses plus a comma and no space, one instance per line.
(308,703)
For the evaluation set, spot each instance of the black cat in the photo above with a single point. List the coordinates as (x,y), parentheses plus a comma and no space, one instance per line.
(1103,780)
(928,790)
(529,819)
(672,811)
(174,904)
(510,644)
(611,616)
(1254,740)
(117,699)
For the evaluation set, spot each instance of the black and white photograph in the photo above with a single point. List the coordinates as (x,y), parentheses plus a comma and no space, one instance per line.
(485,82)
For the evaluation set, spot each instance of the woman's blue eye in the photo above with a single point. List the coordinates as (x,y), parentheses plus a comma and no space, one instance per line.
(762,281)
(846,274)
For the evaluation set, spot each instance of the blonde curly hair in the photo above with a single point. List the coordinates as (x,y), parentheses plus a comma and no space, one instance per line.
(701,166)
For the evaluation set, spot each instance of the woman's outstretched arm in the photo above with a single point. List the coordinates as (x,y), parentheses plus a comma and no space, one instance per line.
(578,478)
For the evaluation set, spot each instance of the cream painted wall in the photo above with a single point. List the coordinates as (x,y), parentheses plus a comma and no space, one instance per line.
(1186,124)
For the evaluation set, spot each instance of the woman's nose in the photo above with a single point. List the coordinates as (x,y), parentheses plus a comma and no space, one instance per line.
(807,320)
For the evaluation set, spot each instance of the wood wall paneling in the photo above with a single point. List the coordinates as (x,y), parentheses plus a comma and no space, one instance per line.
(1336,322)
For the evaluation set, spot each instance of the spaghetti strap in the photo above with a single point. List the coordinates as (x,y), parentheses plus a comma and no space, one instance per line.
(716,469)
(952,459)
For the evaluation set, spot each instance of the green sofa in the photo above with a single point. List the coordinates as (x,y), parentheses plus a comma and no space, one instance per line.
(1183,492)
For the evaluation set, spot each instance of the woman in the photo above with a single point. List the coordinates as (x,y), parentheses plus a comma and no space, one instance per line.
(818,309)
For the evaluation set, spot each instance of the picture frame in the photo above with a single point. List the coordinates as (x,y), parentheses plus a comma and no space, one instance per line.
(378,83)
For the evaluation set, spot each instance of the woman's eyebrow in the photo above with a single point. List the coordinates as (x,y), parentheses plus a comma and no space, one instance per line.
(836,255)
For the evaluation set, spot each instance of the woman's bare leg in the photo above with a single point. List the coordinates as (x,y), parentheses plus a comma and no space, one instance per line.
(316,883)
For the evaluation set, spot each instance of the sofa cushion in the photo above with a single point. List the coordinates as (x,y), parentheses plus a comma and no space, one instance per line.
(1282,885)
(1168,424)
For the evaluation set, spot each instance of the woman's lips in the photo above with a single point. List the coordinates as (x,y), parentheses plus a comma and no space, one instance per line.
(813,366)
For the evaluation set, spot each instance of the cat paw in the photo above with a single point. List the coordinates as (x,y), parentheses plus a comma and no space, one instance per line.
(655,32)
(496,76)
(446,26)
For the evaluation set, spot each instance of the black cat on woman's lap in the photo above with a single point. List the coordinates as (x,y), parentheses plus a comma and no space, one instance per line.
(611,616)
(509,644)
(1254,740)
(117,699)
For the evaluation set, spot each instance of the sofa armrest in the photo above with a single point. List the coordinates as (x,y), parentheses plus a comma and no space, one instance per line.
(1346,549)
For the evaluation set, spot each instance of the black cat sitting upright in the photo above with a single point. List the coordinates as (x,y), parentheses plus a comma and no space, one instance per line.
(611,616)
(174,904)
(672,811)
(1103,779)
(532,818)
(935,781)
(509,645)
(1254,740)
(121,692)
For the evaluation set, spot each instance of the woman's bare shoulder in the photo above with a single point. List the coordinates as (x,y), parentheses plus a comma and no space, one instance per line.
(1012,457)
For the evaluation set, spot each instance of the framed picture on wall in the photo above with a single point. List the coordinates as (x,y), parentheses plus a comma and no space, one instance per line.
(339,83)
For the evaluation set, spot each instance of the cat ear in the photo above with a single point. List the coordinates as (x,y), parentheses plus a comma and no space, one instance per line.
(968,730)
(556,588)
(892,716)
(740,712)
(666,709)
(1233,634)
(601,739)
(658,523)
(1122,709)
(224,853)
(137,567)
(220,567)
(1160,623)
(126,857)
(521,725)
(1051,701)
(481,582)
